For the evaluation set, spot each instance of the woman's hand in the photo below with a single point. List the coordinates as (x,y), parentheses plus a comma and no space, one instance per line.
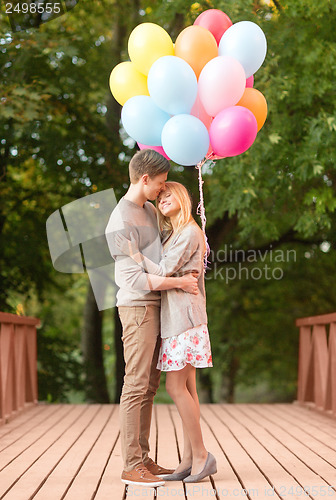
(128,247)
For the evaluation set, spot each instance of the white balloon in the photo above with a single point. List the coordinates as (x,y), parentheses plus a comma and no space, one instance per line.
(246,42)
(221,84)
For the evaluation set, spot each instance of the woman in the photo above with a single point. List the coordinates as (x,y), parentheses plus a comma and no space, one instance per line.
(185,338)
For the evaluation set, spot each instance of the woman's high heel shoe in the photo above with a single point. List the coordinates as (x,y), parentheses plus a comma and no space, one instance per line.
(209,468)
(177,476)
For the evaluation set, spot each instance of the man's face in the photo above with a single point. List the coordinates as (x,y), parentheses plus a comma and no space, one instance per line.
(153,186)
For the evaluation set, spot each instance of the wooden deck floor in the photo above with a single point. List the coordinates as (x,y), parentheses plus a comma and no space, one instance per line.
(72,452)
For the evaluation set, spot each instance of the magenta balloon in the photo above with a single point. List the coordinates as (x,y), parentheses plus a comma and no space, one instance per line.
(250,82)
(158,149)
(214,20)
(233,131)
(221,84)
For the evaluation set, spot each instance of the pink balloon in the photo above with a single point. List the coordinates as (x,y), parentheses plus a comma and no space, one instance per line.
(233,131)
(199,111)
(250,82)
(214,20)
(158,149)
(221,84)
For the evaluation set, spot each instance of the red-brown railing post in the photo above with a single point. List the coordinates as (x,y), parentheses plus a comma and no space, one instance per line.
(317,362)
(18,363)
(320,364)
(330,399)
(304,355)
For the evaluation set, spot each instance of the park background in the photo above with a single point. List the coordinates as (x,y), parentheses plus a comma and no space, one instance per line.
(60,141)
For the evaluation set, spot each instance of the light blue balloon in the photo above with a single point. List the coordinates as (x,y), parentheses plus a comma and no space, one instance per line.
(143,120)
(172,84)
(246,42)
(185,139)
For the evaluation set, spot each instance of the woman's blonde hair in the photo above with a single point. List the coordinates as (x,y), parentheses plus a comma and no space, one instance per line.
(185,217)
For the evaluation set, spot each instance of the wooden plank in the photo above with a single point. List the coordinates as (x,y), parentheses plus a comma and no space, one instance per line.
(63,453)
(30,482)
(110,485)
(85,483)
(82,458)
(253,482)
(22,418)
(311,414)
(281,480)
(22,426)
(19,446)
(18,459)
(294,424)
(320,448)
(297,459)
(166,453)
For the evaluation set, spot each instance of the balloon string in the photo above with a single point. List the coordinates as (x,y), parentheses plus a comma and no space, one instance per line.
(201,211)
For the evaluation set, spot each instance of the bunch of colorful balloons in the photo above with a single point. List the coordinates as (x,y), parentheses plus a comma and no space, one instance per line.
(195,99)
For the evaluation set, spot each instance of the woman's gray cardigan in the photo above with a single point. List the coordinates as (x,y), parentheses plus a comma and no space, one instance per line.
(180,310)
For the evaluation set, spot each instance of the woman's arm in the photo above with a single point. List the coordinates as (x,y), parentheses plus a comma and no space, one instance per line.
(173,259)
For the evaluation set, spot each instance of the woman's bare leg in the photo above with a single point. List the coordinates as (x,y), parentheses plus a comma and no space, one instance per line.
(181,386)
(186,460)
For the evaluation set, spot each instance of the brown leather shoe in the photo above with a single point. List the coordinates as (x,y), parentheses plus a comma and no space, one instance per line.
(156,469)
(141,476)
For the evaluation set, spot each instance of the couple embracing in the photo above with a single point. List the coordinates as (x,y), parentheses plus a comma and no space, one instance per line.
(161,303)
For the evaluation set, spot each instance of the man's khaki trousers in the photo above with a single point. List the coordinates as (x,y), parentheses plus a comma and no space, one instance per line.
(141,340)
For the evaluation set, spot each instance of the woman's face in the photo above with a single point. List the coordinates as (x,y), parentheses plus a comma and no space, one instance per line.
(167,203)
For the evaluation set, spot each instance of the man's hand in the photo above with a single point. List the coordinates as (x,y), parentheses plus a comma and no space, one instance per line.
(189,283)
(128,247)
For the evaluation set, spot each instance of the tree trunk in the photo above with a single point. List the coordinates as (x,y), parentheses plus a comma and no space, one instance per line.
(233,368)
(205,389)
(119,351)
(96,386)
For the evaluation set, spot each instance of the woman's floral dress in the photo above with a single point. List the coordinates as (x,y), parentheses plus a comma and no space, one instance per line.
(192,346)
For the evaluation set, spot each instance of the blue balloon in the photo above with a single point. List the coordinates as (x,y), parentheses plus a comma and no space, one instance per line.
(143,120)
(185,139)
(172,84)
(246,42)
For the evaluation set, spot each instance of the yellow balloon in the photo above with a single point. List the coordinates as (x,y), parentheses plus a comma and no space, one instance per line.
(148,42)
(126,81)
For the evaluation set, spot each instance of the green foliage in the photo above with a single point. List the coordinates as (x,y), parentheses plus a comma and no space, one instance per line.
(55,145)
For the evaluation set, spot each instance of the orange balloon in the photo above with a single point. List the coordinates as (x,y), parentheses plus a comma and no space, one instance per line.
(255,101)
(197,46)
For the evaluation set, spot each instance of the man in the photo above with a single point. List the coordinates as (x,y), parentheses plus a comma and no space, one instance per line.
(138,302)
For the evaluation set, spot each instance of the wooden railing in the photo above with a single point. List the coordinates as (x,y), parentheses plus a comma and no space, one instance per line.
(317,362)
(18,364)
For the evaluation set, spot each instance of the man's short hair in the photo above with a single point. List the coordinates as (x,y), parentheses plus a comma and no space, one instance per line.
(147,161)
